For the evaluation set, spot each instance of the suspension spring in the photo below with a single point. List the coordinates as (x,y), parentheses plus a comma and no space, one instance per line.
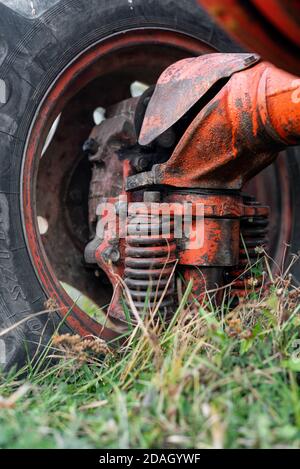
(150,258)
(254,238)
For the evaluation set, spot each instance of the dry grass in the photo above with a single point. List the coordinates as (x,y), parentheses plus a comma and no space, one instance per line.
(211,378)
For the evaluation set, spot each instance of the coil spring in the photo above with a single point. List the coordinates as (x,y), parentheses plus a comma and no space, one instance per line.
(149,262)
(254,232)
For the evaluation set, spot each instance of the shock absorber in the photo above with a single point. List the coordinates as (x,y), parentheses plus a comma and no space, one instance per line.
(150,256)
(254,232)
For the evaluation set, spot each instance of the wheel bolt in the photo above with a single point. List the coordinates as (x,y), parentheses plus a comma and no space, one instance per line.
(111,254)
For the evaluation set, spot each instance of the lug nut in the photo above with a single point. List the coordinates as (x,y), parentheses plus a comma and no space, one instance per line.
(111,254)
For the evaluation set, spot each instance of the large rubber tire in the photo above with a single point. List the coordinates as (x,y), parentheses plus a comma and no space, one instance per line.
(36,43)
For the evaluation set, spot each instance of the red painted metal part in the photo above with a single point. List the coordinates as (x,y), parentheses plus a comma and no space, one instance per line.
(147,261)
(223,251)
(236,135)
(221,214)
(233,137)
(182,84)
(268,27)
(254,239)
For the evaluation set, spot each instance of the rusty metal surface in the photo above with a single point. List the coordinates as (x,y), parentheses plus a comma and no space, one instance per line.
(182,84)
(107,138)
(242,120)
(234,136)
(237,134)
(150,261)
(219,245)
(205,281)
(270,28)
(253,241)
(107,183)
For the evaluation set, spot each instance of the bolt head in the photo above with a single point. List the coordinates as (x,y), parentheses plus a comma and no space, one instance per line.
(111,254)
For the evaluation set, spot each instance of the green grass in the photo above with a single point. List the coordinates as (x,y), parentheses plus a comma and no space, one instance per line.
(209,380)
